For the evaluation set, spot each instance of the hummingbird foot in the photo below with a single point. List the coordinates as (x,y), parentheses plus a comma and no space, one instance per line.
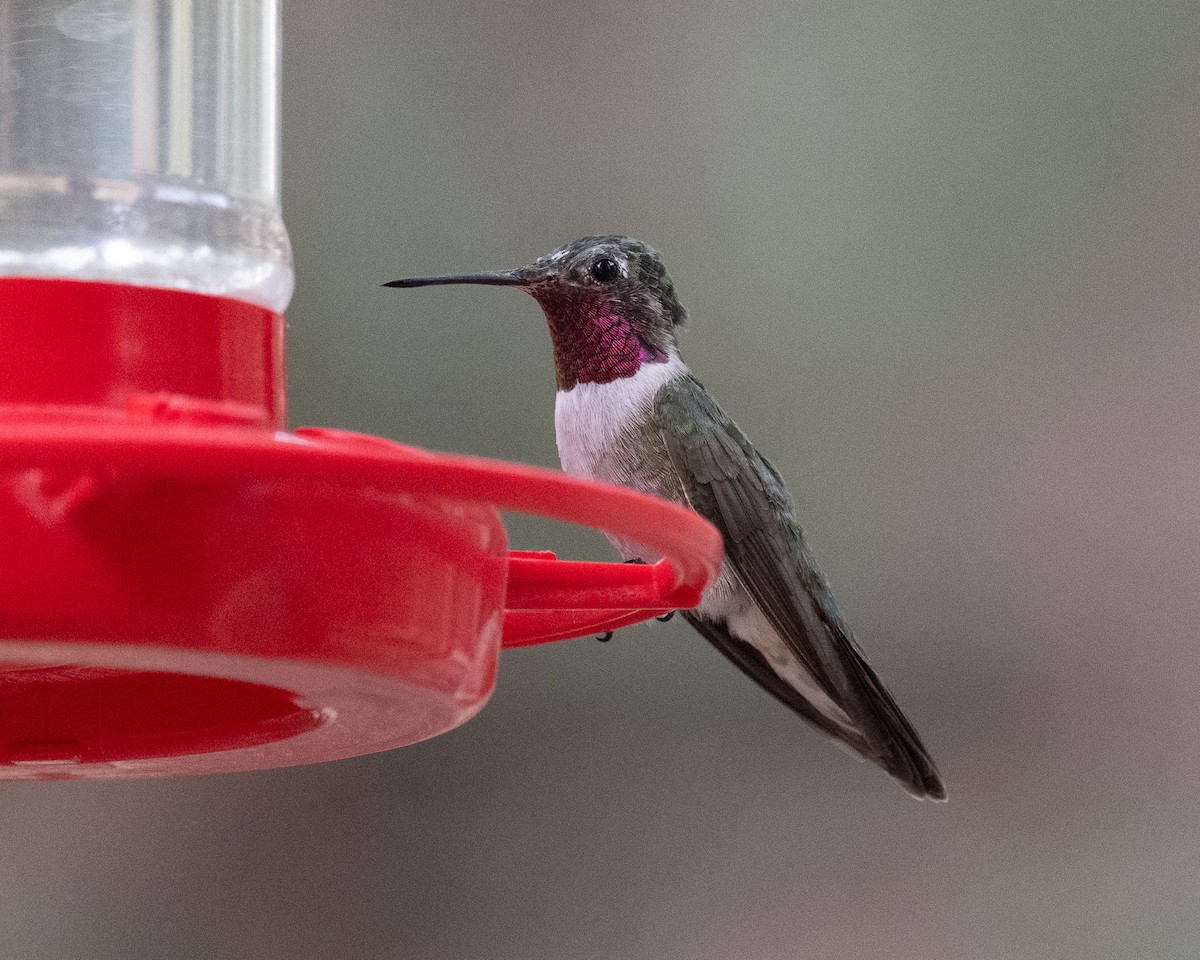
(605,637)
(666,616)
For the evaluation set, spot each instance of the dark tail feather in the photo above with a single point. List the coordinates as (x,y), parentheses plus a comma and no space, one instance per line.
(903,755)
(893,744)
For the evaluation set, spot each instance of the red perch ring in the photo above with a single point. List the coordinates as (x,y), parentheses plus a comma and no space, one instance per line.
(190,588)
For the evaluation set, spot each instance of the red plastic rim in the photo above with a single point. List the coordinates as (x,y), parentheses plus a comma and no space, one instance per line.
(689,545)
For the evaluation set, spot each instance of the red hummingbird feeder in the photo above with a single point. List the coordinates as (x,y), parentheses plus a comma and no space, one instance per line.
(189,587)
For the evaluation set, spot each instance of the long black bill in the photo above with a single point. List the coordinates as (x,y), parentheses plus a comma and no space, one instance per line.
(502,278)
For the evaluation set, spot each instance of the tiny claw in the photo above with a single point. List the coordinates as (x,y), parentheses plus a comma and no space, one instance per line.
(605,637)
(636,560)
(666,616)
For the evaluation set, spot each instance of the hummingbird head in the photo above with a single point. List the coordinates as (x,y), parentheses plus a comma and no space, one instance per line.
(610,306)
(609,303)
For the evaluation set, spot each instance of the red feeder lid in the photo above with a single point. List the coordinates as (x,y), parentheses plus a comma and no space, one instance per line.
(189,588)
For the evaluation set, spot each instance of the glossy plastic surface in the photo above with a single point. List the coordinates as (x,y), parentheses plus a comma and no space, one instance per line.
(189,588)
(105,348)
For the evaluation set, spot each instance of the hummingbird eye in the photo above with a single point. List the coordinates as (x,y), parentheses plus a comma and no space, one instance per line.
(606,270)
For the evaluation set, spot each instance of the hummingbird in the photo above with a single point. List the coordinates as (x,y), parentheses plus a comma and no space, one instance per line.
(629,411)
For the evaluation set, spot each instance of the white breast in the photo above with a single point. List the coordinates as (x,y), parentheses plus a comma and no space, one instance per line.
(599,437)
(593,422)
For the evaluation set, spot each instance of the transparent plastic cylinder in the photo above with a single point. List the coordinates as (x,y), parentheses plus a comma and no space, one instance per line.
(139,143)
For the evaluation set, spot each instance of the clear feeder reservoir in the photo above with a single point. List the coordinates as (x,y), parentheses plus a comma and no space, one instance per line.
(139,144)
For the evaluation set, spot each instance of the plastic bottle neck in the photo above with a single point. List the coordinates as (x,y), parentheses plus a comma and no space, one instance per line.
(81,348)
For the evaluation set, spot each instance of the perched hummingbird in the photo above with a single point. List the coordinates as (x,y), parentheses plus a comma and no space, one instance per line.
(628,411)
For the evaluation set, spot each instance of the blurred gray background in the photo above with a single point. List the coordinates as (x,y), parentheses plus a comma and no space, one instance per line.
(941,261)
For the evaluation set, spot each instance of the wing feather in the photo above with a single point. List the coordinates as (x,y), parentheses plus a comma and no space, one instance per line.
(730,483)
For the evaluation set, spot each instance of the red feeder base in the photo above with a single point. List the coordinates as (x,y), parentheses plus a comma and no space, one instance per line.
(190,589)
